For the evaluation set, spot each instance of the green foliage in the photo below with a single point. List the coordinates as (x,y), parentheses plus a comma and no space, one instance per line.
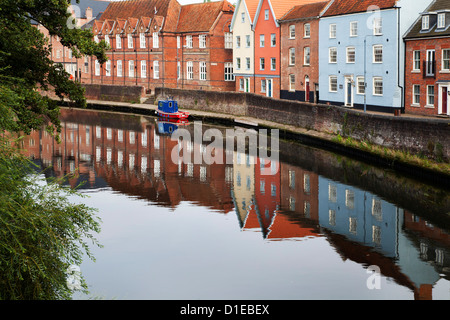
(41,232)
(25,65)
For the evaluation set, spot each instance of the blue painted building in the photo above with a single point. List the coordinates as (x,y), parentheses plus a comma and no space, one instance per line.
(360,216)
(361,52)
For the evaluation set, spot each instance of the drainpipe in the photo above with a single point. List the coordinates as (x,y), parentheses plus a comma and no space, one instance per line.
(402,107)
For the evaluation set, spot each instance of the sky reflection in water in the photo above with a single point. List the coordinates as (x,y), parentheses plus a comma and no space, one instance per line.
(174,231)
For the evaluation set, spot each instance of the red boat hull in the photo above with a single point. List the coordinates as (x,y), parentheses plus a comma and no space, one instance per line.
(175,115)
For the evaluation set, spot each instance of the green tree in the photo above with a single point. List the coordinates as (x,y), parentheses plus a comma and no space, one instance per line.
(26,67)
(42,233)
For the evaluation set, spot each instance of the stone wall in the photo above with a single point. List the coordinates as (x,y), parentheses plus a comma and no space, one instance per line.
(428,136)
(117,93)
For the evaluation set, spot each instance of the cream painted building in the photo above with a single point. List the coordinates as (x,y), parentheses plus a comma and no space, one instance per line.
(243,45)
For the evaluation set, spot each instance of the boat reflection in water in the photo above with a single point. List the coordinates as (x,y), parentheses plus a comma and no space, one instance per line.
(363,212)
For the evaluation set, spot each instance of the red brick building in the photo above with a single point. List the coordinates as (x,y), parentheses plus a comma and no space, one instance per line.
(163,44)
(300,52)
(427,74)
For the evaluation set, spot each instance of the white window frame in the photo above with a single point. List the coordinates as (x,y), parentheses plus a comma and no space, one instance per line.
(131,69)
(429,95)
(247,63)
(375,80)
(142,42)
(119,68)
(292,82)
(262,40)
(348,54)
(307,30)
(354,29)
(377,26)
(330,56)
(266,14)
(332,31)
(375,55)
(156,71)
(247,41)
(202,41)
(108,68)
(155,40)
(108,42)
(202,71)
(292,56)
(292,31)
(425,22)
(330,83)
(415,95)
(178,42)
(306,56)
(97,68)
(273,64)
(262,63)
(130,41)
(118,41)
(228,40)
(273,40)
(263,85)
(189,70)
(179,70)
(238,41)
(441,21)
(229,75)
(143,69)
(445,59)
(359,81)
(241,84)
(189,42)
(238,63)
(243,17)
(416,61)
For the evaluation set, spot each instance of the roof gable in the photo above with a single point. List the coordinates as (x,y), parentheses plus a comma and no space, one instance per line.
(200,17)
(436,7)
(279,8)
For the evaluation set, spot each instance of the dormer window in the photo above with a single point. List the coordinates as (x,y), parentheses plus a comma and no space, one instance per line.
(425,22)
(441,21)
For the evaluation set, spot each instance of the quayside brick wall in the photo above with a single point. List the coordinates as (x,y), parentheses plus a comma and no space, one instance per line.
(415,135)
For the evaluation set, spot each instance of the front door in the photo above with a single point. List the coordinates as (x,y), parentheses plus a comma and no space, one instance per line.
(269,87)
(444,100)
(247,85)
(307,89)
(348,92)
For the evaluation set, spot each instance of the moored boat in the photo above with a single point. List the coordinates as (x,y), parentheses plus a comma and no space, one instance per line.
(168,109)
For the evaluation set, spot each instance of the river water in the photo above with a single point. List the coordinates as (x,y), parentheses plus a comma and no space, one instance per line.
(320,226)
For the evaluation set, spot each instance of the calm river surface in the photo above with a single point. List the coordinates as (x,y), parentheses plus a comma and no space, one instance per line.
(322,226)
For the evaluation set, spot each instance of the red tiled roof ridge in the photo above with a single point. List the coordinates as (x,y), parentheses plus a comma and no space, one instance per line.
(308,10)
(341,7)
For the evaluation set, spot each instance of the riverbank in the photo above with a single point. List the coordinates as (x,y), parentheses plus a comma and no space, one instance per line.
(419,167)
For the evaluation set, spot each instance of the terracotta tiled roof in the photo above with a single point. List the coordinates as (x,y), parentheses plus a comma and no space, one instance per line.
(305,11)
(136,9)
(340,7)
(281,7)
(200,17)
(119,25)
(145,21)
(416,30)
(252,6)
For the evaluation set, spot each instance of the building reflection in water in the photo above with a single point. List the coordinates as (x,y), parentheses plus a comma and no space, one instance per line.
(132,155)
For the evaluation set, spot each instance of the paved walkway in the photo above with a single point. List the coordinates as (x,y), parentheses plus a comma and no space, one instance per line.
(146,106)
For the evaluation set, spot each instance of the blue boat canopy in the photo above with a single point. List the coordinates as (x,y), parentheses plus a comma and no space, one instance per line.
(168,106)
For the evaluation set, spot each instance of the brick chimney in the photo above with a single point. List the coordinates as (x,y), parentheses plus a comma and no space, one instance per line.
(88,14)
